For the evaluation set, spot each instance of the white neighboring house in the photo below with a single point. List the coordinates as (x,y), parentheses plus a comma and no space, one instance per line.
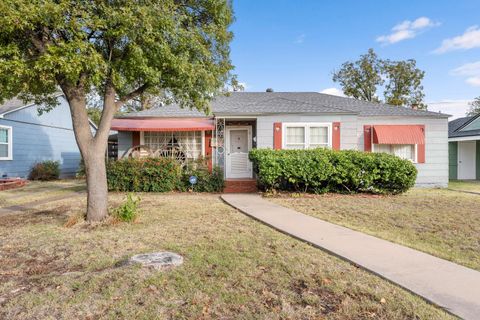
(464,148)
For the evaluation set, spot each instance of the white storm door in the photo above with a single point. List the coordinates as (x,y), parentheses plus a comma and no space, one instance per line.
(466,160)
(239,143)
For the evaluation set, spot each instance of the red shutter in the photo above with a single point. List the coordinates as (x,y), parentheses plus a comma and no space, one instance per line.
(336,136)
(208,149)
(277,135)
(135,138)
(421,148)
(367,138)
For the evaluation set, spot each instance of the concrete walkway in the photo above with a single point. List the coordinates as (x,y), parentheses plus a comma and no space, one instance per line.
(446,284)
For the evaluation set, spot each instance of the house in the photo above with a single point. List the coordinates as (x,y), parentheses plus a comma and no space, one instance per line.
(288,120)
(464,148)
(27,138)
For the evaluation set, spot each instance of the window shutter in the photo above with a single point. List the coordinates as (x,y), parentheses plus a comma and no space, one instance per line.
(336,136)
(421,148)
(135,138)
(367,138)
(277,135)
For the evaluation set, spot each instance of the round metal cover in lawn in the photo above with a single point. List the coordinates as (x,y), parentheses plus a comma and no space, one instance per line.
(157,260)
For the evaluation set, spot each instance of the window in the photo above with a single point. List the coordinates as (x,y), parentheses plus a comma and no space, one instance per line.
(5,143)
(404,151)
(190,142)
(306,135)
(295,138)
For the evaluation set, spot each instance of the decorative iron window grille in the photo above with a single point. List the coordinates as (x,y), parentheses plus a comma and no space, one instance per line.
(188,142)
(219,141)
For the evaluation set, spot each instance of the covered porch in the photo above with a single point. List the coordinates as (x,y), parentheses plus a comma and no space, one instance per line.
(184,139)
(223,142)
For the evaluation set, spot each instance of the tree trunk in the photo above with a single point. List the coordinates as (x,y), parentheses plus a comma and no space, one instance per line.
(97,192)
(93,148)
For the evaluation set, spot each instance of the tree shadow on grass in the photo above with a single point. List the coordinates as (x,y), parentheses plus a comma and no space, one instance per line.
(56,216)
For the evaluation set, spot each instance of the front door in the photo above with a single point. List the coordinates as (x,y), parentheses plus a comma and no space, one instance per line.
(239,143)
(466,160)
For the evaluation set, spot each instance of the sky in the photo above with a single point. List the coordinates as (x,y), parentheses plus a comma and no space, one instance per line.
(295,45)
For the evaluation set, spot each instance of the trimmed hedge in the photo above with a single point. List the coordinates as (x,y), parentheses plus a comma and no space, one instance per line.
(324,170)
(143,175)
(161,175)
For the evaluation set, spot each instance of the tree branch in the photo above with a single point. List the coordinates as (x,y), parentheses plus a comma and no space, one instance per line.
(135,93)
(77,103)
(108,112)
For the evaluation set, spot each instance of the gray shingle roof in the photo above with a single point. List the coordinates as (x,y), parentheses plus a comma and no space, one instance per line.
(456,125)
(11,105)
(254,103)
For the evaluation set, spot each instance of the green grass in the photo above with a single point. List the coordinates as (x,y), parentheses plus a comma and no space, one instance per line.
(472,185)
(235,268)
(443,223)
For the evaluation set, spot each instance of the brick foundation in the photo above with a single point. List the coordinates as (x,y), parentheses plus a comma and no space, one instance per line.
(11,183)
(240,186)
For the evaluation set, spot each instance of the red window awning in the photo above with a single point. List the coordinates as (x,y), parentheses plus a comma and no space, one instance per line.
(398,134)
(156,124)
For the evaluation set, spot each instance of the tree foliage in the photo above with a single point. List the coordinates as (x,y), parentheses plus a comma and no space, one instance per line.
(474,107)
(404,85)
(136,46)
(360,79)
(402,80)
(119,50)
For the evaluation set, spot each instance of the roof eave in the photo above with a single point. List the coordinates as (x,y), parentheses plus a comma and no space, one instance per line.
(439,116)
(464,138)
(237,114)
(25,106)
(163,116)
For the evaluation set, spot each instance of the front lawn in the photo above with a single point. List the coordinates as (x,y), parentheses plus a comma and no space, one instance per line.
(470,185)
(38,190)
(235,268)
(443,223)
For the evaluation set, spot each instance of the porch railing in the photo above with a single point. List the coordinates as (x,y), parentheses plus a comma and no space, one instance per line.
(143,151)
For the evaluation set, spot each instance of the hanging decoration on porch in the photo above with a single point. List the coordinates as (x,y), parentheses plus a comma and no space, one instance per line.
(219,140)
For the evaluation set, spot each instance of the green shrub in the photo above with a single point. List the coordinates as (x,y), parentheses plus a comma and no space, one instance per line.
(45,171)
(81,173)
(323,170)
(206,181)
(161,175)
(128,210)
(143,175)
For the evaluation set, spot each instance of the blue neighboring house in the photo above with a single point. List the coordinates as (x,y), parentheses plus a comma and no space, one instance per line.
(27,138)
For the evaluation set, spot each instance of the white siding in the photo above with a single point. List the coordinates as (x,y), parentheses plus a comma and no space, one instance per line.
(348,128)
(434,172)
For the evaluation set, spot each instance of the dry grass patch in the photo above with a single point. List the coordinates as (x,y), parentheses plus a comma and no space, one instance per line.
(235,268)
(440,222)
(40,190)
